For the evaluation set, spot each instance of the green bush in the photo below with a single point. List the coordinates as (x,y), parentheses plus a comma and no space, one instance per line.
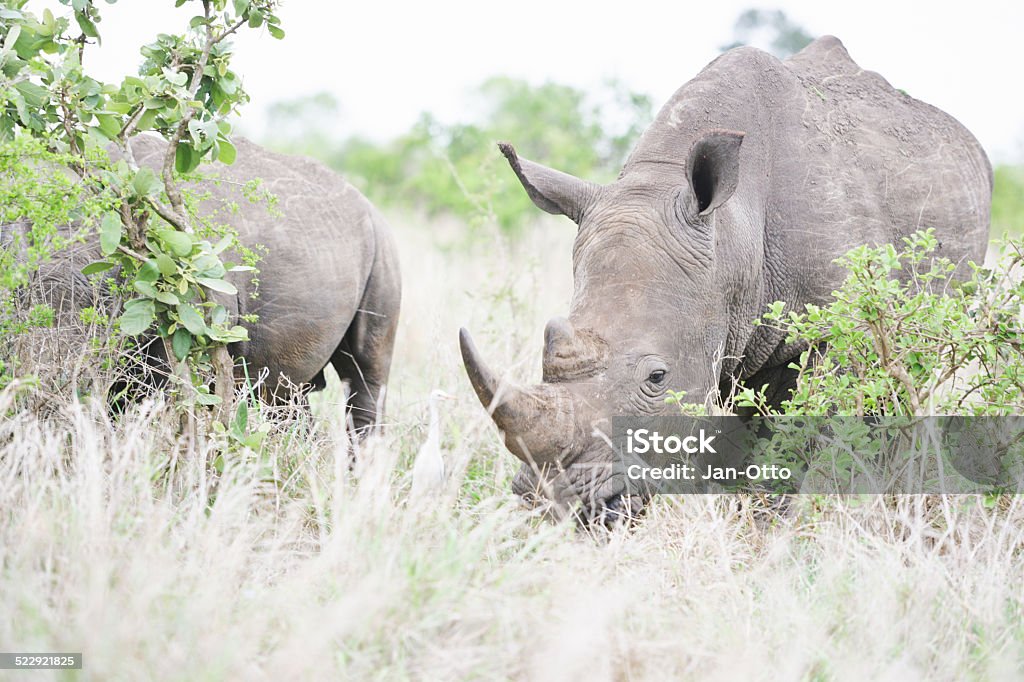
(57,124)
(902,338)
(1007,199)
(903,370)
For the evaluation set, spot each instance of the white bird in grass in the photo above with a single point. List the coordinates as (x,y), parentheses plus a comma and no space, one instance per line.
(428,474)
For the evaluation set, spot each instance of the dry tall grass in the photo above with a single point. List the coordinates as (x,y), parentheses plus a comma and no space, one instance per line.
(118,542)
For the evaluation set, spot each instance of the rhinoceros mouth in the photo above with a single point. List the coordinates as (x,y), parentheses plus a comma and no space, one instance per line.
(573,493)
(619,510)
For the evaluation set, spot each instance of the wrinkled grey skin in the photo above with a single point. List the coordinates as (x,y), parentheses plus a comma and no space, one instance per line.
(329,284)
(752,179)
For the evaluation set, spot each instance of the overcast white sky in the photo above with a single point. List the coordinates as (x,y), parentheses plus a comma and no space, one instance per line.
(388,61)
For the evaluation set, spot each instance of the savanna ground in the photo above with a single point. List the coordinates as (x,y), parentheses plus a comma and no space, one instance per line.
(121,542)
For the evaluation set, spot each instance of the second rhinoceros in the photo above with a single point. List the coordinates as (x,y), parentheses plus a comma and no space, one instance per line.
(329,288)
(751,180)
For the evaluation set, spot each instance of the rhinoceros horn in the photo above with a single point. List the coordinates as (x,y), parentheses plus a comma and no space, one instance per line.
(551,190)
(537,422)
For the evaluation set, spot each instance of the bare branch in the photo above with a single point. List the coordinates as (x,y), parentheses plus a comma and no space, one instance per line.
(228,31)
(164,212)
(129,126)
(131,252)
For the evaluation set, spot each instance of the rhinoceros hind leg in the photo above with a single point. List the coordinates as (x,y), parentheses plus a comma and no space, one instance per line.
(363,359)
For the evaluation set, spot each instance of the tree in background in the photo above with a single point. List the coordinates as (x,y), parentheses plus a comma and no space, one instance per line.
(1008,199)
(305,125)
(455,169)
(770,30)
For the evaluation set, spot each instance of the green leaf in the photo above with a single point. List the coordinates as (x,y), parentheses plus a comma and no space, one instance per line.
(35,95)
(88,28)
(12,35)
(181,343)
(191,318)
(219,314)
(146,182)
(241,6)
(118,107)
(166,265)
(110,124)
(137,317)
(217,285)
(236,333)
(208,265)
(146,121)
(186,159)
(275,31)
(179,243)
(224,243)
(178,78)
(207,399)
(98,266)
(148,272)
(110,233)
(254,440)
(167,297)
(241,422)
(226,152)
(146,289)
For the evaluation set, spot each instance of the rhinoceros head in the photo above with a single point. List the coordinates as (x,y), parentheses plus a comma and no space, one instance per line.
(650,313)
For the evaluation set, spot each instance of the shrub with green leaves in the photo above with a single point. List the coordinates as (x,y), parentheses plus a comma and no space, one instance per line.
(54,117)
(902,342)
(903,338)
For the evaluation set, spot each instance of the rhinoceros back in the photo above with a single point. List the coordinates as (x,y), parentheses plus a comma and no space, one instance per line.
(880,164)
(320,239)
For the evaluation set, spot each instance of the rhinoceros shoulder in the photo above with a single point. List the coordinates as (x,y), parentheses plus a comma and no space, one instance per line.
(826,55)
(859,110)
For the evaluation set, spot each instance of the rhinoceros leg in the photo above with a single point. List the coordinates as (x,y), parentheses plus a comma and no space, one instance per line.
(363,359)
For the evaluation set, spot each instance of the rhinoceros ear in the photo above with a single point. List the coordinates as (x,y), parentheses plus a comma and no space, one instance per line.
(552,191)
(713,168)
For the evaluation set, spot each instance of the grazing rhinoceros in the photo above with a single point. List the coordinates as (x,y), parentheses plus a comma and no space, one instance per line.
(329,285)
(752,179)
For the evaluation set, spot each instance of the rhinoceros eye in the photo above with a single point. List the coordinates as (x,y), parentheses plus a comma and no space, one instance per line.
(657,376)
